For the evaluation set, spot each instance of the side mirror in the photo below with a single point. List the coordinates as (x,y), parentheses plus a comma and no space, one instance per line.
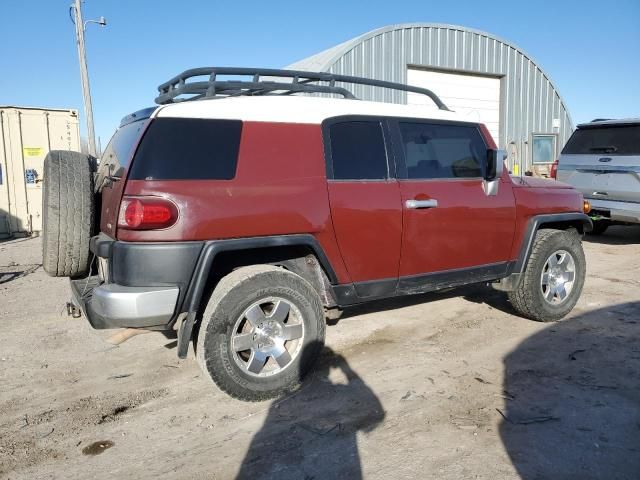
(493,171)
(495,164)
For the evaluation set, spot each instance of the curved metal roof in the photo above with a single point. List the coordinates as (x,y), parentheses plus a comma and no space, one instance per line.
(326,58)
(532,102)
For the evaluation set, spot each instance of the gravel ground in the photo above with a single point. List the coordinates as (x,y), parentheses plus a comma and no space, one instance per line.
(441,386)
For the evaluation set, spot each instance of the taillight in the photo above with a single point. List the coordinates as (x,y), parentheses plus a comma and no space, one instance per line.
(554,170)
(146,213)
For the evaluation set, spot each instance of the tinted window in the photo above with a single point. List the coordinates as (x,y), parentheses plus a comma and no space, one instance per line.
(119,150)
(620,140)
(188,148)
(442,151)
(357,151)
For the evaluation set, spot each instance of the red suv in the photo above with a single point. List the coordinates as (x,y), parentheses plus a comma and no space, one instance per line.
(242,214)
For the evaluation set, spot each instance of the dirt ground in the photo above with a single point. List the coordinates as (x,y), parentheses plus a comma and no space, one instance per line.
(441,386)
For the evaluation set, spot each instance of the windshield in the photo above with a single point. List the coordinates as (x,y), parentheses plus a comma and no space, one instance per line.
(609,140)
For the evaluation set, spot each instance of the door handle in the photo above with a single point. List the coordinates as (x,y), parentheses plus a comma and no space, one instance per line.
(421,203)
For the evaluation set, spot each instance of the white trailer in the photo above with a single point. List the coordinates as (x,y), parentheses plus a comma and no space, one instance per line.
(26,136)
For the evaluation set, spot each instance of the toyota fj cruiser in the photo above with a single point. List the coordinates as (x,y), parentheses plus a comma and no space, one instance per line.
(245,215)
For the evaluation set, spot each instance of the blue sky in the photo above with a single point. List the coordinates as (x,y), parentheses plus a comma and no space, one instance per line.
(590,49)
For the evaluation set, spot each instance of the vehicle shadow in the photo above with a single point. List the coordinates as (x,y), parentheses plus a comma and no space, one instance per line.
(313,433)
(616,235)
(14,272)
(476,293)
(574,398)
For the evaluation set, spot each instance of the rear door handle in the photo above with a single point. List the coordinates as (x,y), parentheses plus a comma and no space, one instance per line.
(421,203)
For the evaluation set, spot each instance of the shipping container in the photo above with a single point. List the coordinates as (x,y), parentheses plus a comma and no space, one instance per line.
(26,136)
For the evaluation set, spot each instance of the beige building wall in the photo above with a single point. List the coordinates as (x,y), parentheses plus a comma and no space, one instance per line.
(26,136)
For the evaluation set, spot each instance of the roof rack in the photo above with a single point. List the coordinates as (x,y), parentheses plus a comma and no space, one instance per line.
(279,82)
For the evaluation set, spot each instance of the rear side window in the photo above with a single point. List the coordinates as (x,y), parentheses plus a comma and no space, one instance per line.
(358,151)
(609,140)
(442,151)
(120,149)
(188,149)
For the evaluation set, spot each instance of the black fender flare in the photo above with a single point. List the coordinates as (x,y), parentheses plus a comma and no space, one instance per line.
(540,220)
(211,249)
(536,222)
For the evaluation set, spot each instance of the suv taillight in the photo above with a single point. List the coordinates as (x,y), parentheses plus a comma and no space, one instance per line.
(146,213)
(554,170)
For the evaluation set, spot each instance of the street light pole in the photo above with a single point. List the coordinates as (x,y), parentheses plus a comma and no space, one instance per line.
(84,74)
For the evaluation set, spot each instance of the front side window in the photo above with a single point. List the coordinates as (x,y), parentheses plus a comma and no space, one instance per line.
(544,148)
(442,151)
(358,151)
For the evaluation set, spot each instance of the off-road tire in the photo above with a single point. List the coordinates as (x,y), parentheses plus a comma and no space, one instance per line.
(68,213)
(235,293)
(599,227)
(528,299)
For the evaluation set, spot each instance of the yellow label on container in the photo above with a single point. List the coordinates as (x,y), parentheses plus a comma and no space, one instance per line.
(33,151)
(516,169)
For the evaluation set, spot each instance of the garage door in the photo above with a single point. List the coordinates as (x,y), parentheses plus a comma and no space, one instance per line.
(475,97)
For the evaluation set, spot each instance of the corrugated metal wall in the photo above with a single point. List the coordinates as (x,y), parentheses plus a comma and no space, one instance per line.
(529,102)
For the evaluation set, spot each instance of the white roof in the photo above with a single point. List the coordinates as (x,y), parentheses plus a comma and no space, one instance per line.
(292,109)
(611,121)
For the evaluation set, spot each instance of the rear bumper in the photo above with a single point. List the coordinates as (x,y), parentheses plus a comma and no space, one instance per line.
(618,211)
(145,283)
(109,305)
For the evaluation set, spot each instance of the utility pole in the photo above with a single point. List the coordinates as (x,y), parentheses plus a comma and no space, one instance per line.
(84,74)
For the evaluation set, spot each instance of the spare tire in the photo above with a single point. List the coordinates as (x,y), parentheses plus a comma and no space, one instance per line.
(68,213)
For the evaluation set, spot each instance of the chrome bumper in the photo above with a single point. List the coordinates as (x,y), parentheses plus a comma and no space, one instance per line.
(114,306)
(135,304)
(619,211)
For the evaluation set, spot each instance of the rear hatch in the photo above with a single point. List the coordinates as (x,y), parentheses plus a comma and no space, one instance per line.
(602,160)
(114,165)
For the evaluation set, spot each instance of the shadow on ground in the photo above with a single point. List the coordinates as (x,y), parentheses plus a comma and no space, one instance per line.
(312,434)
(9,273)
(617,235)
(477,293)
(575,411)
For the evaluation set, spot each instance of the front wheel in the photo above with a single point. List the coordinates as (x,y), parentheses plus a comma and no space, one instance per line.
(554,276)
(261,332)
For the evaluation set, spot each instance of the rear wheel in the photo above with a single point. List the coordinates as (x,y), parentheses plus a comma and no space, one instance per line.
(261,332)
(68,213)
(554,276)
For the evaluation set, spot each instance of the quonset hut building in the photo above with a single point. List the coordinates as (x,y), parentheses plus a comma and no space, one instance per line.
(477,74)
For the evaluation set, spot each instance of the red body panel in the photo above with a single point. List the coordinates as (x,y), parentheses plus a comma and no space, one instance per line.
(280,188)
(363,227)
(466,229)
(111,197)
(367,217)
(553,197)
